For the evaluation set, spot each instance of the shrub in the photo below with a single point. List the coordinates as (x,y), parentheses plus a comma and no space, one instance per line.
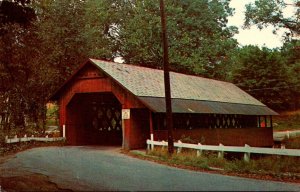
(293,143)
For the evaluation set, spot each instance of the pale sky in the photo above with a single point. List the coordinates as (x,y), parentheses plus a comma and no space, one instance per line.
(254,36)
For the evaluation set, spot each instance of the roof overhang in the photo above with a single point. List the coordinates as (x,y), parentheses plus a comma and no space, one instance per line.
(157,104)
(180,105)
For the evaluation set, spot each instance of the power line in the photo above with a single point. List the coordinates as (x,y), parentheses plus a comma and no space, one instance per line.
(272,88)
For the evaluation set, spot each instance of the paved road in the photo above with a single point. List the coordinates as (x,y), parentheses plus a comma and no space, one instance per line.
(100,168)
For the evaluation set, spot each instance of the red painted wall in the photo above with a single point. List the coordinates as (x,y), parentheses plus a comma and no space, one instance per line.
(140,130)
(255,137)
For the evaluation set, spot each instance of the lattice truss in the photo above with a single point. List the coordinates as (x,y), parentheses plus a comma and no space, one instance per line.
(224,121)
(195,121)
(107,118)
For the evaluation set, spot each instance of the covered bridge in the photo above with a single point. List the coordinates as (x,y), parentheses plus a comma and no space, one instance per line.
(106,103)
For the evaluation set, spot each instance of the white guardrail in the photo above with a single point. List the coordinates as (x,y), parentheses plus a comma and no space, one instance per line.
(247,150)
(281,135)
(32,138)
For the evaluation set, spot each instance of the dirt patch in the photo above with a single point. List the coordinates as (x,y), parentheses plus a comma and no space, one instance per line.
(31,182)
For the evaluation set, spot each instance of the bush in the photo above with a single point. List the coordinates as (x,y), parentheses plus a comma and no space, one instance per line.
(293,143)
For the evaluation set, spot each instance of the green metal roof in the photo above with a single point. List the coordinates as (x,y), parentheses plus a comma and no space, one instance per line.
(147,82)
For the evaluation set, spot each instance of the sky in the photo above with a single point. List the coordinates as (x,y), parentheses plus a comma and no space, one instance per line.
(254,36)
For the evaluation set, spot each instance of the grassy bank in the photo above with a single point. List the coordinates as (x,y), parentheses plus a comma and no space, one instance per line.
(289,120)
(270,167)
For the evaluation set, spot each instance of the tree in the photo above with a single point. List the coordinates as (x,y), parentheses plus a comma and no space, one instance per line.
(291,53)
(27,76)
(24,78)
(15,11)
(263,74)
(199,39)
(73,31)
(37,53)
(16,19)
(59,27)
(101,27)
(270,12)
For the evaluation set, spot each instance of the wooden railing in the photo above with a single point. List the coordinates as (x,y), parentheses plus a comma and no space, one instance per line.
(247,150)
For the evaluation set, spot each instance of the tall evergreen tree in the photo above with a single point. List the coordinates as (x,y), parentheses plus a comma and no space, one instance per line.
(262,73)
(291,53)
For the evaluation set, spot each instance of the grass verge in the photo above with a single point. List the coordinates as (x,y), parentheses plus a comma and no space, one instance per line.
(293,143)
(287,121)
(278,168)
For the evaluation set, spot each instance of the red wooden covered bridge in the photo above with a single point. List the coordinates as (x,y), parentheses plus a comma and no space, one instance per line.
(106,103)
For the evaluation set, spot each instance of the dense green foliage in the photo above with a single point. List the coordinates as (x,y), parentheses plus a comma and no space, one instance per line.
(46,40)
(270,12)
(255,73)
(291,53)
(19,75)
(286,89)
(199,38)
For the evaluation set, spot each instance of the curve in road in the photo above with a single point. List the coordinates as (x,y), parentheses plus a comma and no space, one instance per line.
(104,168)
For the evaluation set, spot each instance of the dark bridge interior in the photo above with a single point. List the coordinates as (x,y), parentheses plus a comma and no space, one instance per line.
(94,119)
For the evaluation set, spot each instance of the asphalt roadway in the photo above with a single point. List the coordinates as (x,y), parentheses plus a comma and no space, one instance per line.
(104,168)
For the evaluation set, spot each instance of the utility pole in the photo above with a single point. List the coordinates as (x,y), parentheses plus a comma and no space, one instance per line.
(167,78)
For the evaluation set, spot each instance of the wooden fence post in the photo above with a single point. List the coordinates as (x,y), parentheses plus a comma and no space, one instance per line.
(16,137)
(247,155)
(220,153)
(64,131)
(152,139)
(163,146)
(179,148)
(199,152)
